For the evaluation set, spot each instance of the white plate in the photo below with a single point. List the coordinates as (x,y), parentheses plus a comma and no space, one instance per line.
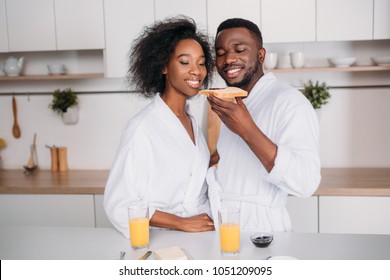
(282,258)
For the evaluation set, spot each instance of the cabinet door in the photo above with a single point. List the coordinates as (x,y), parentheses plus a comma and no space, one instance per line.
(30,25)
(3,28)
(79,24)
(194,9)
(47,210)
(381,19)
(100,214)
(288,20)
(123,22)
(303,213)
(219,10)
(364,215)
(344,20)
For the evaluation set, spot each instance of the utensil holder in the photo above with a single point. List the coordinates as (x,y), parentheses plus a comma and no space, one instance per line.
(62,159)
(54,159)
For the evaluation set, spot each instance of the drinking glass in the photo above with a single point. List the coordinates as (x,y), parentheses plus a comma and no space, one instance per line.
(229,231)
(139,226)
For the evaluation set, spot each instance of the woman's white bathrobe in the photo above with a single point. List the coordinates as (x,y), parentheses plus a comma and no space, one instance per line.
(158,163)
(286,117)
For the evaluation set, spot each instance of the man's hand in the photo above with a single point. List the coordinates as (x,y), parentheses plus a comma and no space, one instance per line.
(234,115)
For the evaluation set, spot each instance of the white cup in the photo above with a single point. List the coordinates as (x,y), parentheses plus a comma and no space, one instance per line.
(56,69)
(297,59)
(284,61)
(271,59)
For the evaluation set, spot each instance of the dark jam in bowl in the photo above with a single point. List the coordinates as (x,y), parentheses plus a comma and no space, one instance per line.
(262,240)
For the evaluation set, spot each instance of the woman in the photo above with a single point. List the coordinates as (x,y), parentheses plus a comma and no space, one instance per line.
(163,157)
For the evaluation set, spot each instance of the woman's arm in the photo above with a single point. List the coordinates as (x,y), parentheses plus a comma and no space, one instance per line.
(201,222)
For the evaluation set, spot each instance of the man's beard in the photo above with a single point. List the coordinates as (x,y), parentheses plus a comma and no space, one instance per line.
(247,77)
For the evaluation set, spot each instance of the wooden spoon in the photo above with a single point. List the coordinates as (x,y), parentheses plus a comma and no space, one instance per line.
(15,128)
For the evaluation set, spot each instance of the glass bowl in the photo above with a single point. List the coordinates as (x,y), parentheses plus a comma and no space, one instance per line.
(262,239)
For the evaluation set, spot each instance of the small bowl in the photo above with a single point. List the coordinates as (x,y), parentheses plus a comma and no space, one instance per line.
(342,61)
(381,60)
(56,69)
(262,239)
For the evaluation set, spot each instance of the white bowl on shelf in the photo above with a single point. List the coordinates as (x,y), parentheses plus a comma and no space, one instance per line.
(342,61)
(381,60)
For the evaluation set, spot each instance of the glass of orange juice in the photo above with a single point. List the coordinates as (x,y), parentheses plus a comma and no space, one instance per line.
(229,231)
(139,226)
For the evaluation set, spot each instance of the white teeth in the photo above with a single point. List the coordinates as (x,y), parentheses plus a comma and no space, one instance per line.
(231,71)
(193,83)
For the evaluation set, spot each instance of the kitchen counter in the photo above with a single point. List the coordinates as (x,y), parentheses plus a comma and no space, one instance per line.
(84,243)
(335,182)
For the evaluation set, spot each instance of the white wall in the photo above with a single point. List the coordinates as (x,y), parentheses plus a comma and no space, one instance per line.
(354,125)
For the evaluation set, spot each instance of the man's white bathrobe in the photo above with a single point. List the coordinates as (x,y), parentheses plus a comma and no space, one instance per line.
(157,163)
(285,116)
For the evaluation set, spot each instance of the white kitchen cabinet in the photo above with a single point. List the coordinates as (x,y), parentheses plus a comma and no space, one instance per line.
(47,210)
(193,9)
(344,20)
(219,10)
(3,28)
(30,25)
(288,20)
(79,24)
(124,21)
(303,213)
(101,219)
(381,19)
(48,25)
(354,214)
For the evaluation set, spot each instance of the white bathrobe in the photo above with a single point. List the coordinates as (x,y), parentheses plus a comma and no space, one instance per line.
(157,163)
(286,117)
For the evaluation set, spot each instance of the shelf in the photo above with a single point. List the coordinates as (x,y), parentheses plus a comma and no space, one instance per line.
(53,77)
(332,69)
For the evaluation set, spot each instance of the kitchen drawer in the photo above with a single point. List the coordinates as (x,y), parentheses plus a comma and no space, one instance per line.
(354,214)
(47,210)
(303,213)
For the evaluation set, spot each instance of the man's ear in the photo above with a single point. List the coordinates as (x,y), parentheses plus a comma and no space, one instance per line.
(262,53)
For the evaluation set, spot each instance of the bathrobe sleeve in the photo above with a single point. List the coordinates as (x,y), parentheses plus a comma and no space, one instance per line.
(127,176)
(297,165)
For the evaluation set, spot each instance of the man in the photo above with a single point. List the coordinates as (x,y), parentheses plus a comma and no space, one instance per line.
(268,144)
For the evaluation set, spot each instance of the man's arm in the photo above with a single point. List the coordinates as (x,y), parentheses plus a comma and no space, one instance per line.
(237,118)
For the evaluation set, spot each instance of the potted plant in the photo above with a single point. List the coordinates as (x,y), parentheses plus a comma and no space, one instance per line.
(318,94)
(65,103)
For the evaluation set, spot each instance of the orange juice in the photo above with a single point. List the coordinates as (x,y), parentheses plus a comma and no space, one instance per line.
(139,232)
(229,235)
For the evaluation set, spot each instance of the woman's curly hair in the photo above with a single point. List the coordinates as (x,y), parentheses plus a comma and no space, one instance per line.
(152,50)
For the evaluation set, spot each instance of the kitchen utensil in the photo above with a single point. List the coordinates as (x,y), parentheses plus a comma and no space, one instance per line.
(297,59)
(13,66)
(382,60)
(146,255)
(62,159)
(56,69)
(284,61)
(262,239)
(271,60)
(122,255)
(15,128)
(31,164)
(342,62)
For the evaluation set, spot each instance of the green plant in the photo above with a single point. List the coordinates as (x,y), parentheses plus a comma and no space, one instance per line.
(318,94)
(62,100)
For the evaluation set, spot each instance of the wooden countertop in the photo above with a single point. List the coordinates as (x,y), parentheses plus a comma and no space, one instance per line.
(48,182)
(335,182)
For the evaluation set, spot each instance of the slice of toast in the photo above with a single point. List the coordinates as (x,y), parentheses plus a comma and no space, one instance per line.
(228,92)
